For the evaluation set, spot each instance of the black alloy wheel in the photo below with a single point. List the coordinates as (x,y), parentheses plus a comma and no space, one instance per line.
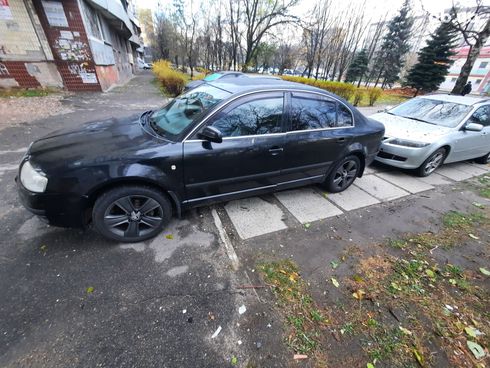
(343,174)
(131,214)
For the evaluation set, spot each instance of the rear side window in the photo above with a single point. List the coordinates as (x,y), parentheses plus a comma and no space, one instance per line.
(312,113)
(344,117)
(262,116)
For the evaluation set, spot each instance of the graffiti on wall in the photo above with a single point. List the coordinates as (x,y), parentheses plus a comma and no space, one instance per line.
(70,48)
(87,76)
(3,69)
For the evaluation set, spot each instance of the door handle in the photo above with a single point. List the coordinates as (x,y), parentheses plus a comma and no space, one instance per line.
(341,140)
(274,151)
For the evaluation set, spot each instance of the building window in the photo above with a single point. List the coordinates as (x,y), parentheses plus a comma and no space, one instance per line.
(483,64)
(478,81)
(92,21)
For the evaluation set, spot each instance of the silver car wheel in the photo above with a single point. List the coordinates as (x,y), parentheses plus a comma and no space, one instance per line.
(434,162)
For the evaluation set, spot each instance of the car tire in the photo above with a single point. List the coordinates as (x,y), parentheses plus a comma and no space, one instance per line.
(432,163)
(343,174)
(131,213)
(484,159)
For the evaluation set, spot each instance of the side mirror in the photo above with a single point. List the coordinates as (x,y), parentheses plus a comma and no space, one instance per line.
(211,134)
(473,127)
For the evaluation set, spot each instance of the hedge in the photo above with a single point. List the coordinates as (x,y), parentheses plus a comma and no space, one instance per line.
(171,80)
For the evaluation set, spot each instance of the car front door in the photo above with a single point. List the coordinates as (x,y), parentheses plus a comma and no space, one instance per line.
(319,131)
(250,157)
(471,144)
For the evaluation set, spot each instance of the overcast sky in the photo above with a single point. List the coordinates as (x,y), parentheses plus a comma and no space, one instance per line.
(373,8)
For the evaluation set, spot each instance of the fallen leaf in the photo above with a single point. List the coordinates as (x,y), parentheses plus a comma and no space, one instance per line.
(307,225)
(325,195)
(405,331)
(420,358)
(169,236)
(430,273)
(357,278)
(395,286)
(452,281)
(473,236)
(370,365)
(335,282)
(359,294)
(484,271)
(234,360)
(90,290)
(334,264)
(478,205)
(470,331)
(43,248)
(476,349)
(300,356)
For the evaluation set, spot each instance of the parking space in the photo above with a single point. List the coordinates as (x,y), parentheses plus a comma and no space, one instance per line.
(254,216)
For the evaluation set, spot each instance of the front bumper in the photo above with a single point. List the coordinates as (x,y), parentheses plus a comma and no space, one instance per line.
(64,210)
(403,157)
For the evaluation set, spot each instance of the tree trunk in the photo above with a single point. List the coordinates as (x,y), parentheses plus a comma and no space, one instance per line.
(470,60)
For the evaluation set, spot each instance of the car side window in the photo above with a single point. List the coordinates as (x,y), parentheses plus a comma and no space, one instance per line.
(481,116)
(344,116)
(312,113)
(261,116)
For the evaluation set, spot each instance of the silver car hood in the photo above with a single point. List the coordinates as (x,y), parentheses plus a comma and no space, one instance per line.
(404,128)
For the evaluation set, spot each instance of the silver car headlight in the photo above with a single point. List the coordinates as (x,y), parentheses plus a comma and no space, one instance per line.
(407,143)
(31,179)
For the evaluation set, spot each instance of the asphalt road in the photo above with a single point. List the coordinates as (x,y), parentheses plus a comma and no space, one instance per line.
(72,299)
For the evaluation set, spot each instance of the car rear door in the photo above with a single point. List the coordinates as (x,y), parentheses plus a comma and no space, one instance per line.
(319,130)
(251,156)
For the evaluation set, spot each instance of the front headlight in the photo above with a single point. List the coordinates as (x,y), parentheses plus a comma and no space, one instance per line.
(31,179)
(407,143)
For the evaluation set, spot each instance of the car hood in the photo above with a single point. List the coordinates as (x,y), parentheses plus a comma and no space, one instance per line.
(404,128)
(97,141)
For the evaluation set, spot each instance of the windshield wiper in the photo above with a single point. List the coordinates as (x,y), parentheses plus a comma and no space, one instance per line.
(412,118)
(155,127)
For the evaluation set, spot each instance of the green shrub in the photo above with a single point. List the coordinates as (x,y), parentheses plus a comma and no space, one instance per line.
(373,95)
(344,90)
(171,80)
(358,96)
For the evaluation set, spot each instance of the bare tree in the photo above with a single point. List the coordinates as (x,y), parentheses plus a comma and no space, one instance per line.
(464,21)
(259,17)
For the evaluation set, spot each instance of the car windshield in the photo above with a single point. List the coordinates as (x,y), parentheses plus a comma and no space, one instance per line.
(443,113)
(212,77)
(177,115)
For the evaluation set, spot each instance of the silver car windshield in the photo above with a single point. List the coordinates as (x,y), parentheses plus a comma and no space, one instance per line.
(178,114)
(443,113)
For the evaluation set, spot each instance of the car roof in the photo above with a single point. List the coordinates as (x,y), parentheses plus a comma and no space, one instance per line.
(465,100)
(263,84)
(224,72)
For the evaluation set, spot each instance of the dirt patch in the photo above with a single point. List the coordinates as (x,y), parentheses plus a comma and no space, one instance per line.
(18,110)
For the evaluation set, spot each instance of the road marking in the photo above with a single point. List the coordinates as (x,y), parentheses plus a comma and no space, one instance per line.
(307,205)
(230,251)
(20,150)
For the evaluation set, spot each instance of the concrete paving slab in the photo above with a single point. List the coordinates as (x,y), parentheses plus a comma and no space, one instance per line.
(370,170)
(254,216)
(481,166)
(453,171)
(352,199)
(409,183)
(307,205)
(472,169)
(436,179)
(379,188)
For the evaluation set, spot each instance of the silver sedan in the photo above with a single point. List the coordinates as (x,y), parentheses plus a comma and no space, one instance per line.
(427,131)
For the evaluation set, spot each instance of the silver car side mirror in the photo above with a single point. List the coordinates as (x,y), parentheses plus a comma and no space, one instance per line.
(473,127)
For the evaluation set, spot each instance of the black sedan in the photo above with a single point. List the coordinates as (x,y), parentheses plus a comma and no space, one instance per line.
(217,142)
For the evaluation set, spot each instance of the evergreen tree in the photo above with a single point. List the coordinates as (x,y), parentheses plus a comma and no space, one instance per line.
(433,61)
(391,58)
(358,67)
